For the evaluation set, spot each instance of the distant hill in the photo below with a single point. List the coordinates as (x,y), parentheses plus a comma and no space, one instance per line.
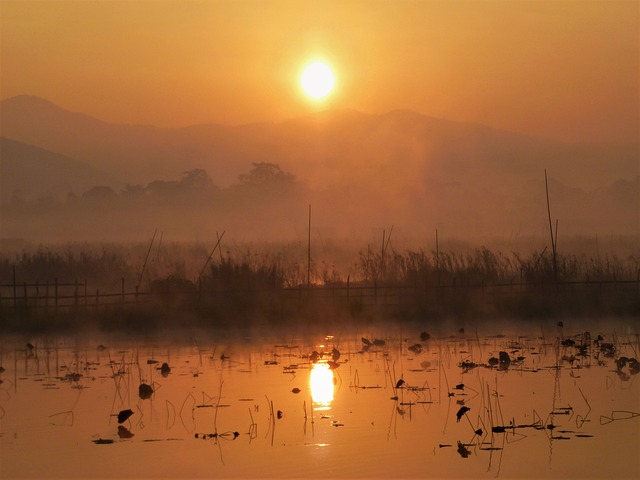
(383,169)
(327,147)
(30,172)
(134,153)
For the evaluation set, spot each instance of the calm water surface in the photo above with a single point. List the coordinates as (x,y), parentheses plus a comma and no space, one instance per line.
(560,404)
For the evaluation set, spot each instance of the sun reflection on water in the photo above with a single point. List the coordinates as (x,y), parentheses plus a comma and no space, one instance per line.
(321,383)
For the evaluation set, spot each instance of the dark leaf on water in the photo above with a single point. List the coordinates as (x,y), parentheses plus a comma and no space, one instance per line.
(505,360)
(366,341)
(332,365)
(462,450)
(145,391)
(461,412)
(124,415)
(103,441)
(124,432)
(335,354)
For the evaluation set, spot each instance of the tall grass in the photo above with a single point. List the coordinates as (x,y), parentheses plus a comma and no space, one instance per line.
(105,265)
(483,265)
(250,280)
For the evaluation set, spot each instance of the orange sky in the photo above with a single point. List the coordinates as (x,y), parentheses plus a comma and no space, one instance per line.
(563,69)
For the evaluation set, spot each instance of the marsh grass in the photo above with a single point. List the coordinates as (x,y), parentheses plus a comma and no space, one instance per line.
(266,284)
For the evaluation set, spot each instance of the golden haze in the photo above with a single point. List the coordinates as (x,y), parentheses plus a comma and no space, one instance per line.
(562,69)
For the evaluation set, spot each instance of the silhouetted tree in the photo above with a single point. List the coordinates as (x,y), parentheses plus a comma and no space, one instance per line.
(197,179)
(99,192)
(133,191)
(268,176)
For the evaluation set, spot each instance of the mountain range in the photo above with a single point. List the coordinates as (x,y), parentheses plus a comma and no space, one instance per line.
(437,170)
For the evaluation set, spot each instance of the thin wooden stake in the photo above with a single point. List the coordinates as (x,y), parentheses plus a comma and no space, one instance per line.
(146,258)
(309,251)
(210,255)
(553,239)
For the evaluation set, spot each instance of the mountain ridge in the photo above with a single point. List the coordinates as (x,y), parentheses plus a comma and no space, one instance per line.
(365,165)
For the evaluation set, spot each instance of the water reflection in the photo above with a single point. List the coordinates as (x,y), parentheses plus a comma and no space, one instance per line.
(321,383)
(562,405)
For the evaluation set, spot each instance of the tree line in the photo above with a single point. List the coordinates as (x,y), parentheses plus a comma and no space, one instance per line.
(264,180)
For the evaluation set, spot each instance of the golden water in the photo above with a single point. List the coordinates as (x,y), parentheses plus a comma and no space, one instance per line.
(250,407)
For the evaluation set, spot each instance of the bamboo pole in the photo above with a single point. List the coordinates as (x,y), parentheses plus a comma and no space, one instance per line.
(209,257)
(309,251)
(146,258)
(553,238)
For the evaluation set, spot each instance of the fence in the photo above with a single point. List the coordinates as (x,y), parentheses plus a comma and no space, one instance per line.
(55,296)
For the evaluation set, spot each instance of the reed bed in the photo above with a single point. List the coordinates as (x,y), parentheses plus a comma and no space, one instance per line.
(271,282)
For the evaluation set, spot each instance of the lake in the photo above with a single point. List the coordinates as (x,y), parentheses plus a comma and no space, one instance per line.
(392,402)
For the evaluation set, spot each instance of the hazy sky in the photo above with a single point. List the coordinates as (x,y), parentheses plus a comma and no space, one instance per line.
(563,69)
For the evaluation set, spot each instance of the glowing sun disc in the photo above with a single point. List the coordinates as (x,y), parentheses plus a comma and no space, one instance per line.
(317,80)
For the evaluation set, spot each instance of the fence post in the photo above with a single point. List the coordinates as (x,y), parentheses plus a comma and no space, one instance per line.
(97,298)
(75,294)
(26,304)
(56,296)
(46,298)
(122,290)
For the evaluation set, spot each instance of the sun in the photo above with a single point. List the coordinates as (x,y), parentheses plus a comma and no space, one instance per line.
(317,80)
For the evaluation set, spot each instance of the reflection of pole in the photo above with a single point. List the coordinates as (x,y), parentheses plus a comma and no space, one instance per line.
(309,251)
